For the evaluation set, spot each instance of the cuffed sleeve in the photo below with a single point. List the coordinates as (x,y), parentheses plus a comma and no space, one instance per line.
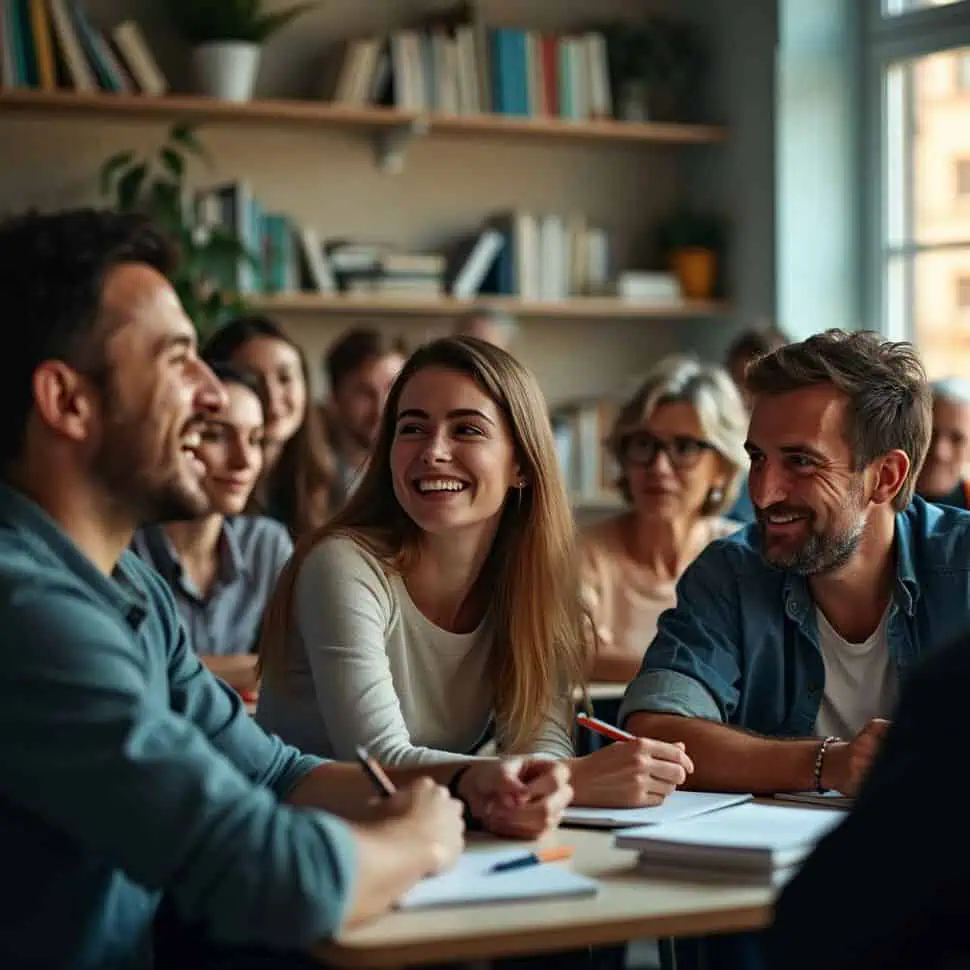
(668,692)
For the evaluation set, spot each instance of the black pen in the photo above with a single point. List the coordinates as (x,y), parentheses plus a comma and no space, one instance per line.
(375,772)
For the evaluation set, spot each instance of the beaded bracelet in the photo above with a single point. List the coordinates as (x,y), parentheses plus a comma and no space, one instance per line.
(820,760)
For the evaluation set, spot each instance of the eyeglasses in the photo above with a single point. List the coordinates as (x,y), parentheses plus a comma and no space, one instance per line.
(683,451)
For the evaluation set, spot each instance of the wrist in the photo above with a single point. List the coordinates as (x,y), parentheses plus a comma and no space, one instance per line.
(458,788)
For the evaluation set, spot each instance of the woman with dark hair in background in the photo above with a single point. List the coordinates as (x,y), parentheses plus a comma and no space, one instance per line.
(297,484)
(223,565)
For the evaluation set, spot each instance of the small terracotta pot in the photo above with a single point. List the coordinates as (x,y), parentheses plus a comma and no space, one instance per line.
(696,269)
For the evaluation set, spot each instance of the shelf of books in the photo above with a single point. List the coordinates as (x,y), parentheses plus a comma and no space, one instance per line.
(324,114)
(579,307)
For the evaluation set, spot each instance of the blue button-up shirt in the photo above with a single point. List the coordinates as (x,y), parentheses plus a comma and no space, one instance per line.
(126,768)
(741,645)
(253,550)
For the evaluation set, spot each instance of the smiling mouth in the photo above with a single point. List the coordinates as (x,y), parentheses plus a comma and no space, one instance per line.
(439,486)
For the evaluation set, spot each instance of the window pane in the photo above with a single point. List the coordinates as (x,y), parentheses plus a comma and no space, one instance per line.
(941,304)
(940,146)
(891,8)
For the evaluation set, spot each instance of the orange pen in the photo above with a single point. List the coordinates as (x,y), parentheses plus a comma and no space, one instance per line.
(557,853)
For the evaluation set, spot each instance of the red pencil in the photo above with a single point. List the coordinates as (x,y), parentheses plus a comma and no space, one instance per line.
(601,727)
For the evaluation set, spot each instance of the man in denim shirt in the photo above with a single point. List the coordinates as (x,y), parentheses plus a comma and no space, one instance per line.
(126,768)
(783,656)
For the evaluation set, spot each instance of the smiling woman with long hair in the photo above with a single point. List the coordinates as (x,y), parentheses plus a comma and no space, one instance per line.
(445,596)
(298,481)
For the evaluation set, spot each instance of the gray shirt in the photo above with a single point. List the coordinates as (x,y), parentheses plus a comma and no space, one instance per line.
(253,551)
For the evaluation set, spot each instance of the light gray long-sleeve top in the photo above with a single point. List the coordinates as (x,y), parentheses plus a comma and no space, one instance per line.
(365,666)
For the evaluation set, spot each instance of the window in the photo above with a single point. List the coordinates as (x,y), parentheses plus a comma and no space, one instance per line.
(962,171)
(963,292)
(921,229)
(892,8)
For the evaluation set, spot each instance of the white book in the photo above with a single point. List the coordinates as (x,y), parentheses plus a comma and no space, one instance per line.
(138,57)
(747,838)
(8,77)
(675,807)
(471,881)
(469,279)
(72,53)
(469,102)
(316,261)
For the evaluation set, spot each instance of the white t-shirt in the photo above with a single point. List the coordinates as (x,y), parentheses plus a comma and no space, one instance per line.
(366,667)
(860,680)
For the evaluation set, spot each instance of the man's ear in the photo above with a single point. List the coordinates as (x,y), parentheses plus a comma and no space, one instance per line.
(64,400)
(890,474)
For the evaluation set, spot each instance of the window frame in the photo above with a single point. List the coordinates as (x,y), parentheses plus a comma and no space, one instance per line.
(889,38)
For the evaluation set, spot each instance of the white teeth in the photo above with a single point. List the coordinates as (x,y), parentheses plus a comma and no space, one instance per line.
(191,441)
(783,519)
(440,485)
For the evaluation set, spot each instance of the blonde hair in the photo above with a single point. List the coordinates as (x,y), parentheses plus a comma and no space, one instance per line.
(532,571)
(720,411)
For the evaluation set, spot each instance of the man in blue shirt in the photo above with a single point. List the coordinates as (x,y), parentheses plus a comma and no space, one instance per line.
(125,767)
(783,656)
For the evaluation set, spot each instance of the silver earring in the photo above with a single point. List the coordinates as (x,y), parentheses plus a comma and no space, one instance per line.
(715,496)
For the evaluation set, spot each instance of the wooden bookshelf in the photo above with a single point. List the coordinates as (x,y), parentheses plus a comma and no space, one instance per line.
(201,110)
(589,308)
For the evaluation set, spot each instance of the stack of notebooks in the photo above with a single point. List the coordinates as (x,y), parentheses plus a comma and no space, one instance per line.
(750,842)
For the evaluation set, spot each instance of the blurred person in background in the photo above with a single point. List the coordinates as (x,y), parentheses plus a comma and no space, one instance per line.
(942,479)
(360,368)
(748,346)
(679,443)
(491,324)
(222,565)
(298,483)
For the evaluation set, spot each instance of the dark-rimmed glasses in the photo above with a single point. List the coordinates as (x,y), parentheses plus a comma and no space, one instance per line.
(683,451)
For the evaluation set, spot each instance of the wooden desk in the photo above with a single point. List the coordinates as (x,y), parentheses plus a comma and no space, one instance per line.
(628,906)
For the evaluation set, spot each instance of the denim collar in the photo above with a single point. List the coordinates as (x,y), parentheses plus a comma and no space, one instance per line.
(798,598)
(121,591)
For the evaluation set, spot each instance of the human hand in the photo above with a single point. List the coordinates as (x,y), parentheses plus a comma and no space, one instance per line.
(630,774)
(847,763)
(521,799)
(427,814)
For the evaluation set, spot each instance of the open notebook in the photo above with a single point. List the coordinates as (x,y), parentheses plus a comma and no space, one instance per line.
(748,838)
(677,805)
(470,881)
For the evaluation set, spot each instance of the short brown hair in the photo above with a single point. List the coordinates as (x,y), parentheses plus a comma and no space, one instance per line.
(356,347)
(890,406)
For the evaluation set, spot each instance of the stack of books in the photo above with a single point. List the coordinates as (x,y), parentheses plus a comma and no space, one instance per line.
(748,843)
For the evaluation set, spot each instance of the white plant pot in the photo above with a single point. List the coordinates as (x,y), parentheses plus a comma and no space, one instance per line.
(227,69)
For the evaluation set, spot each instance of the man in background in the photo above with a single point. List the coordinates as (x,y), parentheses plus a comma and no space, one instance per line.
(748,346)
(490,324)
(360,367)
(942,479)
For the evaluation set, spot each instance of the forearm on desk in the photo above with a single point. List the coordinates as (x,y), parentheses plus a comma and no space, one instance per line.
(344,789)
(728,759)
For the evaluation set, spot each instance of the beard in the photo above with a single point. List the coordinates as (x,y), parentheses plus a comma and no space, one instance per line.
(139,481)
(820,552)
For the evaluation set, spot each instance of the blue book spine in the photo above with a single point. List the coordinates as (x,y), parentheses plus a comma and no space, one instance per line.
(517,65)
(25,57)
(495,70)
(102,70)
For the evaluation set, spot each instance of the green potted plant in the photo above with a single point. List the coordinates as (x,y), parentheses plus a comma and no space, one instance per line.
(690,245)
(656,68)
(227,38)
(156,186)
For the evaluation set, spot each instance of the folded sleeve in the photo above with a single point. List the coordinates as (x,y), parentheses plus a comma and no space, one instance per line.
(170,790)
(693,665)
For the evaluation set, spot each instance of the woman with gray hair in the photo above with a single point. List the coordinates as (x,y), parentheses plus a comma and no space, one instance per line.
(679,443)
